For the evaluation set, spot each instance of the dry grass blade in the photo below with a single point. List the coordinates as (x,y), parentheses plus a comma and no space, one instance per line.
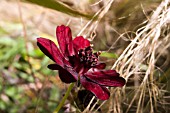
(93,26)
(59,6)
(143,50)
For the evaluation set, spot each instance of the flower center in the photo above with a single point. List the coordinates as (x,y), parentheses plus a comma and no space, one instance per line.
(87,56)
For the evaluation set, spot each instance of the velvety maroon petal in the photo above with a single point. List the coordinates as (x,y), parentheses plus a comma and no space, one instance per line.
(100,66)
(54,67)
(80,43)
(64,37)
(71,51)
(66,74)
(49,48)
(106,78)
(99,91)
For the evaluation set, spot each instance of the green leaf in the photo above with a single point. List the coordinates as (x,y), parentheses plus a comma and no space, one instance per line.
(10,91)
(58,6)
(7,41)
(36,53)
(2,31)
(108,55)
(165,78)
(2,105)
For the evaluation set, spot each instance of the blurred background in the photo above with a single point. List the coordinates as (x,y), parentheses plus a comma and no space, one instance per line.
(28,86)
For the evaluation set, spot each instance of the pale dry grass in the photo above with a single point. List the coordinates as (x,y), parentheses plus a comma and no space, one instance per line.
(144,50)
(138,62)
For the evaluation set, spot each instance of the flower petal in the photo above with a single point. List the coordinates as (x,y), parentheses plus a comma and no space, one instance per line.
(80,43)
(64,37)
(54,67)
(66,74)
(49,48)
(106,78)
(71,51)
(100,66)
(99,91)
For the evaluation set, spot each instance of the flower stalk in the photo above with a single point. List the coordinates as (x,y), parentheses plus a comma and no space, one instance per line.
(64,98)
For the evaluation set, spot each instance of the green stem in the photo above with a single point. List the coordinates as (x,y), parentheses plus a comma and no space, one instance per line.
(64,98)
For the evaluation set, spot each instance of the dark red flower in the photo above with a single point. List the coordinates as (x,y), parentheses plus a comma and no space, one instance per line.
(75,61)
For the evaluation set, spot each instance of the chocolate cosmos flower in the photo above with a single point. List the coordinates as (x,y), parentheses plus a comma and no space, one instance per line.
(75,61)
